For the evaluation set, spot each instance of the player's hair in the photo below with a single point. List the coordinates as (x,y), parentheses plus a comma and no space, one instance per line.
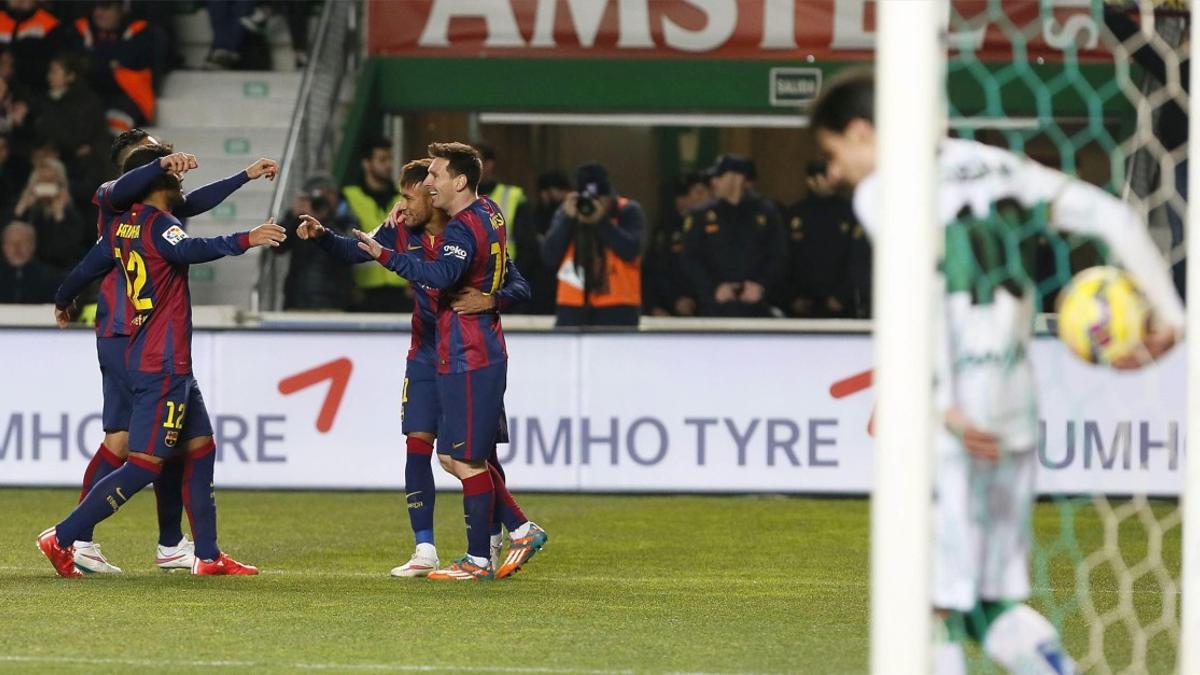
(368,148)
(850,96)
(125,140)
(415,171)
(69,61)
(142,156)
(464,160)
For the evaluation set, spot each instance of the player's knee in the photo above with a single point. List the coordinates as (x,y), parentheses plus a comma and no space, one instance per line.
(118,443)
(198,443)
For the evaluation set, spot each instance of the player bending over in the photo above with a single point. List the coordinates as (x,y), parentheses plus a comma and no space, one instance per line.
(417,231)
(168,417)
(985,450)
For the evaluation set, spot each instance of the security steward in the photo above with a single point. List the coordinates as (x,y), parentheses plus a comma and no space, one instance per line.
(735,247)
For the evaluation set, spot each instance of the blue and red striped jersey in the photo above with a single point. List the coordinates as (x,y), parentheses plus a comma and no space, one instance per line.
(473,252)
(154,253)
(112,199)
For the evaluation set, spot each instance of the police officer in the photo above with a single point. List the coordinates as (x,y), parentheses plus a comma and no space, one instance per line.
(821,235)
(735,248)
(666,291)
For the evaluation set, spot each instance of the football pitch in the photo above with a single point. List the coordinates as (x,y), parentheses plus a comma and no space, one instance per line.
(626,584)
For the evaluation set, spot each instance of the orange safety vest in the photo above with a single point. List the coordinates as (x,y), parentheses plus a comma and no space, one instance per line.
(138,85)
(38,25)
(624,279)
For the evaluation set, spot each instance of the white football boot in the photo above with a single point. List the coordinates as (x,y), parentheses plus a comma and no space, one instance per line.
(496,546)
(424,560)
(177,557)
(90,560)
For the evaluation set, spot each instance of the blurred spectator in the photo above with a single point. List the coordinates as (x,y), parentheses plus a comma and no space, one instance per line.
(295,11)
(315,281)
(735,248)
(226,16)
(595,242)
(63,235)
(13,111)
(14,171)
(821,229)
(552,188)
(380,289)
(522,239)
(665,283)
(33,35)
(71,119)
(22,278)
(122,55)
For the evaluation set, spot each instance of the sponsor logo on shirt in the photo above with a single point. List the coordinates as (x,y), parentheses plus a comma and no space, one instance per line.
(455,250)
(174,235)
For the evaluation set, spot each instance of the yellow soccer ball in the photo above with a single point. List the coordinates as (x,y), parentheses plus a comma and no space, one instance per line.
(1102,315)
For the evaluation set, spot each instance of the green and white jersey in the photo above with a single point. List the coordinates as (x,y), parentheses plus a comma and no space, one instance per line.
(991,205)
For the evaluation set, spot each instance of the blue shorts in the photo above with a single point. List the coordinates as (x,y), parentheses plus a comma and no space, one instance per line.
(419,404)
(167,411)
(472,412)
(118,393)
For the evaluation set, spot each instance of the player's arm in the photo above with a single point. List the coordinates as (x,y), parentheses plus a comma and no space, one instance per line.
(176,246)
(1080,207)
(458,247)
(516,289)
(98,262)
(121,194)
(205,197)
(345,248)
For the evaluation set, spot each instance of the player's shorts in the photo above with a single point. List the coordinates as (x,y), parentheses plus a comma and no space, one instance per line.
(981,527)
(472,412)
(118,393)
(168,410)
(420,408)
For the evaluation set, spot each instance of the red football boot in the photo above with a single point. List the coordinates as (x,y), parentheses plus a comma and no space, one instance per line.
(63,559)
(223,565)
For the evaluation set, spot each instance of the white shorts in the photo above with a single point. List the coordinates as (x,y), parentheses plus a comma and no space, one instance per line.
(981,527)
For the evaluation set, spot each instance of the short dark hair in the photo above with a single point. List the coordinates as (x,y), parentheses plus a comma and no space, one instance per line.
(684,183)
(142,156)
(464,160)
(70,62)
(368,148)
(125,140)
(850,96)
(415,171)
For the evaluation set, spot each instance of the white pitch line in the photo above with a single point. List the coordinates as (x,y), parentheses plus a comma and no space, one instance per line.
(400,667)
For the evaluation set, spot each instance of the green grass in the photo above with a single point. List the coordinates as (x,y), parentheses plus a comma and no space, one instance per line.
(647,584)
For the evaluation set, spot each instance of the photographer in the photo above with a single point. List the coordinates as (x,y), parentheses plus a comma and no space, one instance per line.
(62,234)
(595,242)
(734,247)
(315,281)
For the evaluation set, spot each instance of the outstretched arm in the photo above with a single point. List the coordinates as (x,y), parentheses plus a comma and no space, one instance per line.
(176,246)
(458,247)
(205,197)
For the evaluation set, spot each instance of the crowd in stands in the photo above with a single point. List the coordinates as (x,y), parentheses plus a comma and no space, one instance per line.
(73,75)
(722,250)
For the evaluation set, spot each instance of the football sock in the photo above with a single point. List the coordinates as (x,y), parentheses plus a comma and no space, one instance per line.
(419,490)
(478,497)
(201,501)
(1023,641)
(507,510)
(105,497)
(493,462)
(168,493)
(103,463)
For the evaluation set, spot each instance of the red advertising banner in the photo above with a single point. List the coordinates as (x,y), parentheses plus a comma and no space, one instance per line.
(711,29)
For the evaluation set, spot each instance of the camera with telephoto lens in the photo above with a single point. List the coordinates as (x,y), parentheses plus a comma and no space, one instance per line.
(585,204)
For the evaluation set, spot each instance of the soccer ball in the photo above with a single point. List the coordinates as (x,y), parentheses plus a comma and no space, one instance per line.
(1102,315)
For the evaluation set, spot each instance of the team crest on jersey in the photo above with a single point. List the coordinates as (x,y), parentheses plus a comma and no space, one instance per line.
(174,235)
(171,439)
(455,250)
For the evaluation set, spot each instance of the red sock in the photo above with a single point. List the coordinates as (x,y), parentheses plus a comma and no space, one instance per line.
(510,512)
(103,463)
